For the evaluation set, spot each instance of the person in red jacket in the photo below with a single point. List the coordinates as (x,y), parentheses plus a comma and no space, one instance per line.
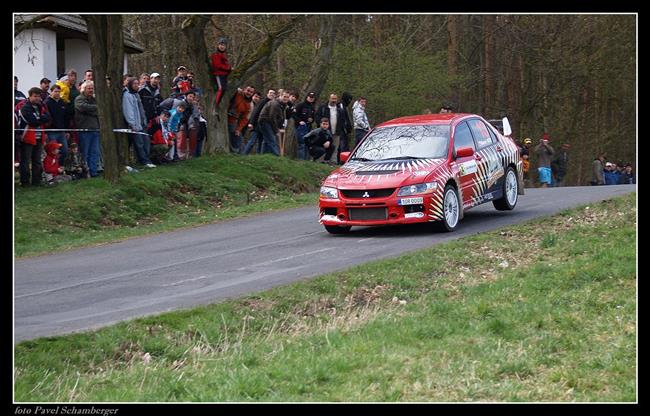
(51,166)
(220,69)
(33,118)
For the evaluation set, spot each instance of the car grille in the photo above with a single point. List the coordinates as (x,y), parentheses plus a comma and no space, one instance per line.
(371,193)
(360,214)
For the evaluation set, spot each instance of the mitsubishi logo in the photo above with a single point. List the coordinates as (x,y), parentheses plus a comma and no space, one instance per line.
(365,195)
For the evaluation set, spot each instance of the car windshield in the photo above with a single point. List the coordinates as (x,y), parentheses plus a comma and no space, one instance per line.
(404,142)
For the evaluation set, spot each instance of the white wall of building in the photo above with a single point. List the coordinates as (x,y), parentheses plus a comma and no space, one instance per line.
(34,57)
(77,56)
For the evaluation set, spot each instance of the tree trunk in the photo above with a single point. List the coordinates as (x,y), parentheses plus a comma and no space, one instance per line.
(322,60)
(452,46)
(105,38)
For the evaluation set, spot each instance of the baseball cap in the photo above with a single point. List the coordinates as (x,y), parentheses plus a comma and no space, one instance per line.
(180,68)
(45,80)
(154,75)
(311,94)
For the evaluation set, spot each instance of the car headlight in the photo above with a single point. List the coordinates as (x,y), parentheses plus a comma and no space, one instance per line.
(418,188)
(329,192)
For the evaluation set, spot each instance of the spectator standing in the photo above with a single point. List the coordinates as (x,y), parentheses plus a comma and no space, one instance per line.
(303,119)
(45,88)
(238,112)
(58,114)
(559,165)
(34,117)
(142,81)
(202,133)
(150,96)
(85,116)
(545,154)
(337,116)
(180,83)
(361,124)
(220,69)
(346,125)
(271,121)
(72,81)
(189,126)
(524,154)
(253,124)
(610,173)
(136,119)
(18,95)
(627,177)
(175,116)
(320,142)
(88,75)
(598,169)
(64,83)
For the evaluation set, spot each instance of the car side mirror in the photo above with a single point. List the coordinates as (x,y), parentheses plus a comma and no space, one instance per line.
(464,152)
(344,156)
(507,130)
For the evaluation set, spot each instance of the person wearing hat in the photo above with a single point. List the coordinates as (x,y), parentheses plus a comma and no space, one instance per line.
(180,83)
(303,118)
(54,172)
(559,165)
(545,154)
(150,95)
(524,155)
(220,69)
(64,83)
(45,87)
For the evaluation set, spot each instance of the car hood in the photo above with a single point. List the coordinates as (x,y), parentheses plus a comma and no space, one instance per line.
(383,174)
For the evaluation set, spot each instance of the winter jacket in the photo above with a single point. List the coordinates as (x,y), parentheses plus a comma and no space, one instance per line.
(560,163)
(181,85)
(273,113)
(240,108)
(220,65)
(57,110)
(33,118)
(304,111)
(343,125)
(360,117)
(18,97)
(65,91)
(611,177)
(545,154)
(51,164)
(151,98)
(318,137)
(133,111)
(175,120)
(85,115)
(255,115)
(159,132)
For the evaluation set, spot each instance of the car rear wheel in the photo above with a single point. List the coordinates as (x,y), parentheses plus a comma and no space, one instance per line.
(509,199)
(451,210)
(335,229)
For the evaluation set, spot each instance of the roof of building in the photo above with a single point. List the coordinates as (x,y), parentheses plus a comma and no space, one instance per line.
(72,26)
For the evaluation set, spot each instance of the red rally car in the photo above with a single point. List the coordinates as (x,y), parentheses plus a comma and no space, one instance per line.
(420,169)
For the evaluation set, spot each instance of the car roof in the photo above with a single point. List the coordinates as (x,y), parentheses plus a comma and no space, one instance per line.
(445,118)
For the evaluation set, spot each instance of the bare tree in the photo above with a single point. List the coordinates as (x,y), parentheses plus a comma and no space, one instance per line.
(106,39)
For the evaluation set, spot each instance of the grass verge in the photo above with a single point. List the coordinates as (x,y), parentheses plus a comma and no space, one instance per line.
(193,192)
(543,311)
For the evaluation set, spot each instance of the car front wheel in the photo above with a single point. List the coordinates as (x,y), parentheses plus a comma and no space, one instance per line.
(451,210)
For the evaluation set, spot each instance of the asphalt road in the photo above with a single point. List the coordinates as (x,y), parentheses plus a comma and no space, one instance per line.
(94,287)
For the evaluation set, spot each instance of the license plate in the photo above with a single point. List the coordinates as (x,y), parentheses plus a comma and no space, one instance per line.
(411,201)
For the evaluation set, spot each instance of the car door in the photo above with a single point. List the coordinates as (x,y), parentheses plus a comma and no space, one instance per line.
(465,166)
(490,166)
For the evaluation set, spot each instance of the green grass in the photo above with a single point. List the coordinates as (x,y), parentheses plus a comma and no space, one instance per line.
(194,192)
(510,315)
